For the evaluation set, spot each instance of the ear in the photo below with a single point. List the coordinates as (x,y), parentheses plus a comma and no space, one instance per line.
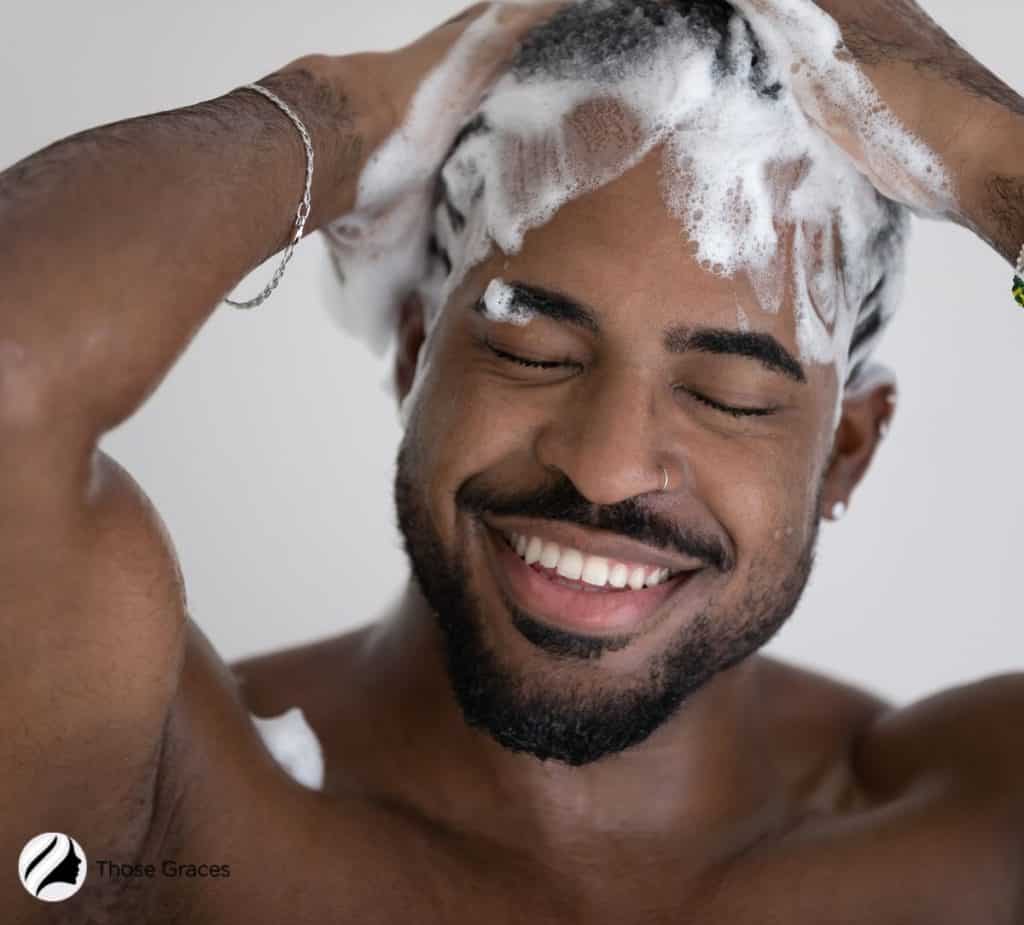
(411,334)
(868,408)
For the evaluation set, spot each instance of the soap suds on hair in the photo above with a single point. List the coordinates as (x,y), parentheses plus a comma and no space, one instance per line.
(758,190)
(807,43)
(380,249)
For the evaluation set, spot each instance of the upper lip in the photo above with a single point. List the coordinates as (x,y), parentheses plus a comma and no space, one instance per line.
(594,542)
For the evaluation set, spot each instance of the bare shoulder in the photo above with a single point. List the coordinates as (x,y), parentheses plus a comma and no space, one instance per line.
(816,722)
(308,676)
(939,780)
(811,692)
(953,762)
(812,709)
(971,736)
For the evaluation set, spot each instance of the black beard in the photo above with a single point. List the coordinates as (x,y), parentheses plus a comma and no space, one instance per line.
(562,721)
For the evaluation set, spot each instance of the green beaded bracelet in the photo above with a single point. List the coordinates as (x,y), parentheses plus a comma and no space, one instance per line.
(1018,279)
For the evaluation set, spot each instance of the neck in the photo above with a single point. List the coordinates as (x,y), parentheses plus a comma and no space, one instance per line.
(705,779)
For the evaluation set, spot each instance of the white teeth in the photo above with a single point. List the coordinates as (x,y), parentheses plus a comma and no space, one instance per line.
(570,564)
(550,555)
(655,578)
(619,576)
(595,571)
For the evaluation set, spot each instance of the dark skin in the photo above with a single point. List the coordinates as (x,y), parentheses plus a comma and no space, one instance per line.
(776,795)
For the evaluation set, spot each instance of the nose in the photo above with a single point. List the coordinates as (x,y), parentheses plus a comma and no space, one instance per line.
(610,438)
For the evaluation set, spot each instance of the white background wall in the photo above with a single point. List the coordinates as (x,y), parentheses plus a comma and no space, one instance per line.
(269,449)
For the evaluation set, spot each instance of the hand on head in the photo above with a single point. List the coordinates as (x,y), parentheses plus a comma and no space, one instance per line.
(885,82)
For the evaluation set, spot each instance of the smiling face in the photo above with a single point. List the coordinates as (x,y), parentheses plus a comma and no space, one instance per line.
(581,603)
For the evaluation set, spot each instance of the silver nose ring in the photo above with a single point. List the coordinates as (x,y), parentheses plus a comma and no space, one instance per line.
(664,486)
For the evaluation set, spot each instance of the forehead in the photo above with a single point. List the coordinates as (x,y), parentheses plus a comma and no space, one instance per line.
(619,251)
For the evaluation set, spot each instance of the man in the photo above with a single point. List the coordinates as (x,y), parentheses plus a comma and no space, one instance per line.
(609,489)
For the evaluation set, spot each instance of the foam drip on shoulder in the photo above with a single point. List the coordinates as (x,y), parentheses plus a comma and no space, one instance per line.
(294,745)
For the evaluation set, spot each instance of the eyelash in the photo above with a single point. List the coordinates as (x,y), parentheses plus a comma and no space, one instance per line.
(730,409)
(531,364)
(703,399)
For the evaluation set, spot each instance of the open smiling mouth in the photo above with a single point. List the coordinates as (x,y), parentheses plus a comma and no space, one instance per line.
(567,588)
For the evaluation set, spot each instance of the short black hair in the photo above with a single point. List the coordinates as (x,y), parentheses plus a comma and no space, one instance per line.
(604,39)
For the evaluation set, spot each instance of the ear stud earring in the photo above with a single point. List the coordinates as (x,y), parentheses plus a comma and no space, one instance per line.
(838,510)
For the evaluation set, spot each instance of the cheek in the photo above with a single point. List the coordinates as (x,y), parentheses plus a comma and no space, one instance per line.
(464,423)
(789,524)
(763,497)
(461,428)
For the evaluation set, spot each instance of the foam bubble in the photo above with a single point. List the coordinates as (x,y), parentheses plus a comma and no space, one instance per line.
(500,305)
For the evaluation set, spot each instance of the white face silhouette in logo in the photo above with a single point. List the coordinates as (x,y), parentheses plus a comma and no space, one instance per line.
(52,867)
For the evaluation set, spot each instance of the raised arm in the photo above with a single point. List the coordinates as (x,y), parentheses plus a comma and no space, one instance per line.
(120,241)
(117,244)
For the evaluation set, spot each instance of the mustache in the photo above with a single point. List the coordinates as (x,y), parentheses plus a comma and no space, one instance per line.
(562,502)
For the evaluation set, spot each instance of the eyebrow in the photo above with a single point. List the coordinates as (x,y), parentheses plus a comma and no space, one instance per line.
(550,304)
(754,345)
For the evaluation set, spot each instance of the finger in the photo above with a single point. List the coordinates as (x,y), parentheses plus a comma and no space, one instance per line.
(519,17)
(779,11)
(467,15)
(510,22)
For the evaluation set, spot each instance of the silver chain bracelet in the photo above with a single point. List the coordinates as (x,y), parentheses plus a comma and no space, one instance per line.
(301,214)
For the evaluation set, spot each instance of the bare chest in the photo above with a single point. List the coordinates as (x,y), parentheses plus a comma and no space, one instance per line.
(356,863)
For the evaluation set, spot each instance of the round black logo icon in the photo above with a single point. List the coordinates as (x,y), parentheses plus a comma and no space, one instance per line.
(52,867)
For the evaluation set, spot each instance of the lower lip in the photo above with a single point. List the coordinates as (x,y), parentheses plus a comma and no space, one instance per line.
(600,611)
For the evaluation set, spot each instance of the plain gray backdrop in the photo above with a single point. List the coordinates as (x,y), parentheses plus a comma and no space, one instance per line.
(269,449)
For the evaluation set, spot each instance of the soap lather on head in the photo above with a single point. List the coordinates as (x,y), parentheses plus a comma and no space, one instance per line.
(756,188)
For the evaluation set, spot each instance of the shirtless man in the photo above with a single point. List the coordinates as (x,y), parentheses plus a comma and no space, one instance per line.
(502,747)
